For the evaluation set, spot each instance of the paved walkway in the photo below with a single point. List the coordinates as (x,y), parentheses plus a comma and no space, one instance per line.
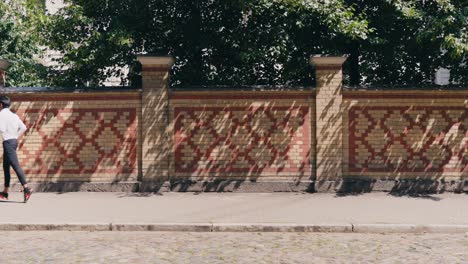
(237,211)
(269,248)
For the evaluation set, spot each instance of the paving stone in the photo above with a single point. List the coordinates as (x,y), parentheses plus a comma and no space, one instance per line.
(180,247)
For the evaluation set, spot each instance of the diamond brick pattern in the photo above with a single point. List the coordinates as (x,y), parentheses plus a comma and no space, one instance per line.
(272,139)
(79,141)
(408,139)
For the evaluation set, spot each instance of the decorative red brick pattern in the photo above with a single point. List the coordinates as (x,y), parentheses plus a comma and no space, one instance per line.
(408,139)
(79,141)
(263,139)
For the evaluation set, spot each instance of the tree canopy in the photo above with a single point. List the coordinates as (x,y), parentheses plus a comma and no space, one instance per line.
(260,42)
(20,42)
(409,40)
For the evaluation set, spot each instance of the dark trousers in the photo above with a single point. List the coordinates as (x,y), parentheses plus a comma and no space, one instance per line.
(10,158)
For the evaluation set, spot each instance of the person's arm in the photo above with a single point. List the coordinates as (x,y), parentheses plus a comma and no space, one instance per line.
(21,127)
(2,126)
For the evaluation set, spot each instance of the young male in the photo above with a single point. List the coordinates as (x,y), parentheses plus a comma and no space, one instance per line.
(11,127)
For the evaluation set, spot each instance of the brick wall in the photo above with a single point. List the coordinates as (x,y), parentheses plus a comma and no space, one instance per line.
(87,137)
(406,134)
(329,116)
(325,139)
(243,135)
(155,128)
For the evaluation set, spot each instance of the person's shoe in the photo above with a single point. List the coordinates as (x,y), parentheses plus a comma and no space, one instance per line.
(3,196)
(27,194)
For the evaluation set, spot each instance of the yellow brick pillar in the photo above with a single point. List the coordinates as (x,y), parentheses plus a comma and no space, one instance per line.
(156,143)
(329,118)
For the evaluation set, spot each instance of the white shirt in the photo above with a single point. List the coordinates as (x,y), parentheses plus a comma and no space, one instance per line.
(11,126)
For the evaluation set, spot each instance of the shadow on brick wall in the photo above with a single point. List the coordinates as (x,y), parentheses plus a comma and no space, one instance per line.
(71,148)
(242,146)
(403,148)
(329,147)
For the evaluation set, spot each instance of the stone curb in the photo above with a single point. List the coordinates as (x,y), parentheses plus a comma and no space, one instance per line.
(173,227)
(53,227)
(409,228)
(274,227)
(240,227)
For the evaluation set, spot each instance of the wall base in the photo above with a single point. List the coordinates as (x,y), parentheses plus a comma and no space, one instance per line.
(155,186)
(343,186)
(240,186)
(406,186)
(80,186)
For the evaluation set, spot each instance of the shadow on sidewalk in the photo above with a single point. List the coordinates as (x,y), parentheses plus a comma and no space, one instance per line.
(410,188)
(426,196)
(135,194)
(4,201)
(417,195)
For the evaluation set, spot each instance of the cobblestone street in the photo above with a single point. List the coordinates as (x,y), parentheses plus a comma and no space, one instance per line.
(178,247)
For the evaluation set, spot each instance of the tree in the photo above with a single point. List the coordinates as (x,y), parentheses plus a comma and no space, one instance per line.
(20,42)
(410,40)
(214,42)
(261,42)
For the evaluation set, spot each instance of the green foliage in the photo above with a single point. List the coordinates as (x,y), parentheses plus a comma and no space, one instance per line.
(19,42)
(214,42)
(410,40)
(259,42)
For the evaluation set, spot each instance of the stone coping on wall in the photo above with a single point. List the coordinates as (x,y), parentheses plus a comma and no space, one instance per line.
(102,95)
(251,88)
(236,89)
(430,88)
(107,89)
(395,94)
(233,94)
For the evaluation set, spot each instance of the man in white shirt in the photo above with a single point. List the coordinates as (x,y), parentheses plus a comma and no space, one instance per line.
(11,127)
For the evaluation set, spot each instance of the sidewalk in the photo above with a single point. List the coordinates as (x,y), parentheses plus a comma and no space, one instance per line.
(318,212)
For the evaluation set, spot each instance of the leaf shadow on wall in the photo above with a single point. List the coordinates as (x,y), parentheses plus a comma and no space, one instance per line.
(66,148)
(329,138)
(414,148)
(226,146)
